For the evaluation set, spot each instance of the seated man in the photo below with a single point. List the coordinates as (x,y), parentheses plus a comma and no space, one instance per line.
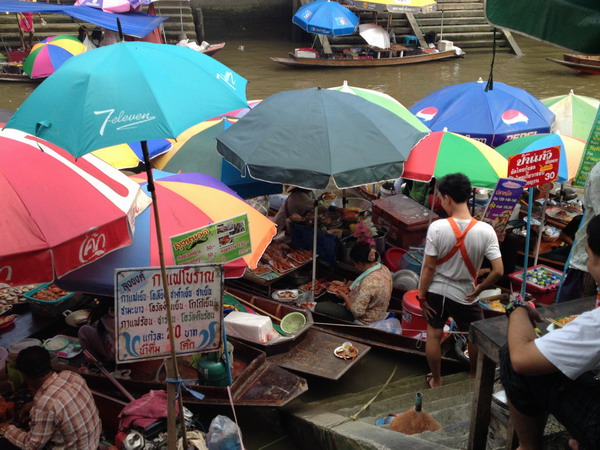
(63,413)
(557,373)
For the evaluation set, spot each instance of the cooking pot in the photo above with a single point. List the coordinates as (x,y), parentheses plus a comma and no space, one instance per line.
(353,202)
(76,318)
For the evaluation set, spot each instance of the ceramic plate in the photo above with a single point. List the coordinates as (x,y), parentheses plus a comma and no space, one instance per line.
(286,295)
(340,353)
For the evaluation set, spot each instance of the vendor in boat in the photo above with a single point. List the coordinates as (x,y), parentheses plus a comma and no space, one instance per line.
(370,293)
(299,202)
(99,337)
(63,413)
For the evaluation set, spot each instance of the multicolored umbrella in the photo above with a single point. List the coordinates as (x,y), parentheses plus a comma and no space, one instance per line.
(50,54)
(127,156)
(195,150)
(327,18)
(188,201)
(395,6)
(571,151)
(58,212)
(385,101)
(574,114)
(443,152)
(239,113)
(493,116)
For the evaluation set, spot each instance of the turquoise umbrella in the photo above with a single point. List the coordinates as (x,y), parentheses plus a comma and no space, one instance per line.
(128,92)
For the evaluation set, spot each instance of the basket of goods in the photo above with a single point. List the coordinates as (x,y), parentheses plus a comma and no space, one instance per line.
(48,300)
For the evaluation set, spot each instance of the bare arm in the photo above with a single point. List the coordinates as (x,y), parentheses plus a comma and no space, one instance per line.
(525,357)
(494,275)
(427,273)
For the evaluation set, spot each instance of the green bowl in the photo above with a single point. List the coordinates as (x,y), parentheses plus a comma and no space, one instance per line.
(292,322)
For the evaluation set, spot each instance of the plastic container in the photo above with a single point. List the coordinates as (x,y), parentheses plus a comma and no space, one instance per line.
(293,322)
(51,308)
(543,294)
(392,258)
(413,322)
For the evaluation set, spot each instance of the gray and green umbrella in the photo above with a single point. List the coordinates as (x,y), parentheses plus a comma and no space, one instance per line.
(308,137)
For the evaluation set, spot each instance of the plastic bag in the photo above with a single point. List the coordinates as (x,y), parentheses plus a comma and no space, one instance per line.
(391,325)
(223,434)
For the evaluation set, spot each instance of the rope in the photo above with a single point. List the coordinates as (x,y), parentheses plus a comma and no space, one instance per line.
(274,442)
(354,417)
(235,416)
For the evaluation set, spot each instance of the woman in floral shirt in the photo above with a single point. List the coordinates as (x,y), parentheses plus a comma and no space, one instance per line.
(370,293)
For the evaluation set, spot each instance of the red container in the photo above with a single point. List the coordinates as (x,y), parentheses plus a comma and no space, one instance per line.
(392,258)
(17,55)
(412,315)
(405,219)
(544,295)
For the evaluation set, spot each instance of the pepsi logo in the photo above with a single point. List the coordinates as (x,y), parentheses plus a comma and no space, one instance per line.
(513,116)
(426,114)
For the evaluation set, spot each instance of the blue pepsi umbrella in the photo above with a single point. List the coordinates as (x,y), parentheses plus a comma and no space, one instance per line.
(327,18)
(493,117)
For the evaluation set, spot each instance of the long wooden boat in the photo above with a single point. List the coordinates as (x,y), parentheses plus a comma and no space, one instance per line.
(309,350)
(213,48)
(294,61)
(256,381)
(15,74)
(580,63)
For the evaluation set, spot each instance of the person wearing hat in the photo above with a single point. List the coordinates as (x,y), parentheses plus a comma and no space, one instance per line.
(63,414)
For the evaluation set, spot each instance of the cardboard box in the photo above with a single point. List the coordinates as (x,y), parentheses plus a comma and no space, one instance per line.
(406,220)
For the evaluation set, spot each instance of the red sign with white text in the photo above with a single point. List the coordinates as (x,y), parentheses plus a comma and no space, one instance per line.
(536,167)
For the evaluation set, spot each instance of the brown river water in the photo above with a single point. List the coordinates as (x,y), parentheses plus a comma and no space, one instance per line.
(250,58)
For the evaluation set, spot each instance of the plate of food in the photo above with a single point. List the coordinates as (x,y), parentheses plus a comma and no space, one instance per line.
(306,305)
(320,288)
(346,351)
(561,213)
(300,256)
(560,322)
(6,321)
(286,295)
(338,287)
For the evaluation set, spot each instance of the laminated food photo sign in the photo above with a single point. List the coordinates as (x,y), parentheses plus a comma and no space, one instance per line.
(196,293)
(535,167)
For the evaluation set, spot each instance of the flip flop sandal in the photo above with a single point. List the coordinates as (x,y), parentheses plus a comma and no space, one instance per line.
(428,379)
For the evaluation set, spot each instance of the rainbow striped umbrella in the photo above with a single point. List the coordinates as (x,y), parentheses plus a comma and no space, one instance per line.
(127,156)
(50,54)
(188,201)
(571,151)
(444,152)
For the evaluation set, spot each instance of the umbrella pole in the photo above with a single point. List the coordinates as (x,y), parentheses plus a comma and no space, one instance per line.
(314,261)
(527,238)
(172,370)
(539,238)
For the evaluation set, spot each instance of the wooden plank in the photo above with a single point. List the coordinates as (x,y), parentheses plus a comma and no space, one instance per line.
(416,30)
(482,402)
(513,44)
(314,355)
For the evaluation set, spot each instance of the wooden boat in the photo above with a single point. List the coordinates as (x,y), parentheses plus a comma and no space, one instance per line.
(213,48)
(256,382)
(14,73)
(581,63)
(309,350)
(294,61)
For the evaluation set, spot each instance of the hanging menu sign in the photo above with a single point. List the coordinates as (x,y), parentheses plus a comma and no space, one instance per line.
(219,242)
(502,202)
(196,293)
(535,167)
(591,154)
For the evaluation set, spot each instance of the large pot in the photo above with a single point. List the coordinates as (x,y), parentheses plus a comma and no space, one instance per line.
(353,202)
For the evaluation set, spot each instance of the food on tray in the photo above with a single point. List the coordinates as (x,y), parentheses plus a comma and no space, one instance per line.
(307,305)
(320,287)
(261,269)
(281,265)
(338,287)
(301,256)
(496,305)
(51,293)
(14,295)
(565,320)
(7,319)
(561,213)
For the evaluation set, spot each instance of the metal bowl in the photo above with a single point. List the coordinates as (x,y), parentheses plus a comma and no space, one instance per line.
(405,280)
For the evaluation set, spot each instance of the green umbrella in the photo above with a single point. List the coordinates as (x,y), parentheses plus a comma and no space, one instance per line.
(385,101)
(306,137)
(574,114)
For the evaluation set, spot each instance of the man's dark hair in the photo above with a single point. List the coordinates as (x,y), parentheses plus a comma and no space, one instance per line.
(360,253)
(593,235)
(455,185)
(34,362)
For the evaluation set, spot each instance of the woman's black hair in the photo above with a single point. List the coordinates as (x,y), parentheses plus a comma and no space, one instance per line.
(593,235)
(34,362)
(360,253)
(455,185)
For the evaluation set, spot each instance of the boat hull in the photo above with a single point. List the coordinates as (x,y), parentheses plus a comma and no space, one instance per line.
(583,68)
(292,61)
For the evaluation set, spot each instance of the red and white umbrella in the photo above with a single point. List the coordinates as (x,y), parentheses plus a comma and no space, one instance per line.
(58,212)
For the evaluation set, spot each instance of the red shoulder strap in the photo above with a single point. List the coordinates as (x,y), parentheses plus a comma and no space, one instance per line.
(460,245)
